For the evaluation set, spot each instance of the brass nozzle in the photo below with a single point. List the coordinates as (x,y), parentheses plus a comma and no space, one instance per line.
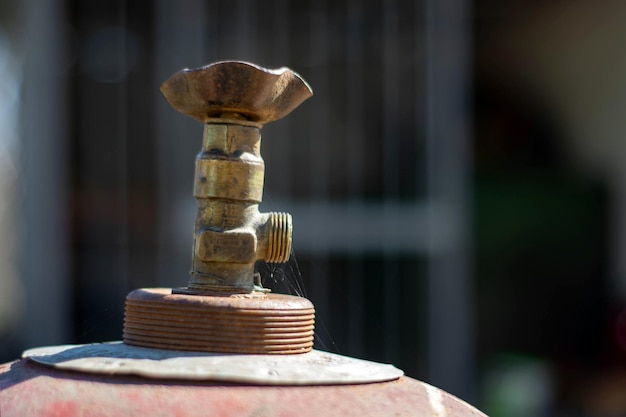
(234,100)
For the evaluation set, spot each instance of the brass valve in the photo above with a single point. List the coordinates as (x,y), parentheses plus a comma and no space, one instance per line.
(223,308)
(234,100)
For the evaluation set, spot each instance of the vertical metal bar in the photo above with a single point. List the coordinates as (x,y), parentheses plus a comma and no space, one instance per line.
(355,109)
(123,233)
(450,335)
(320,121)
(279,133)
(355,116)
(280,40)
(246,30)
(180,36)
(11,289)
(44,263)
(318,141)
(391,91)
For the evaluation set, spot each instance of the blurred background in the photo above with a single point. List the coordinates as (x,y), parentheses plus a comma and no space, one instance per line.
(458,180)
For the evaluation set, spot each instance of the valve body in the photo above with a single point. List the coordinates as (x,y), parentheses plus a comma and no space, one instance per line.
(230,233)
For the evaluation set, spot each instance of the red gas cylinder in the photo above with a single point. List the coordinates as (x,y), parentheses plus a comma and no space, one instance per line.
(223,345)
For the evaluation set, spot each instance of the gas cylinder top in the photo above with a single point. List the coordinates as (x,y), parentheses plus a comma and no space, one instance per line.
(222,345)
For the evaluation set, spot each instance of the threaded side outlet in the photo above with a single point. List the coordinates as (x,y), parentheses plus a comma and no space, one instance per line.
(279,239)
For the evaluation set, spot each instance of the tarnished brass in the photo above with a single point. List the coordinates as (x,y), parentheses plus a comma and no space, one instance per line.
(236,90)
(224,308)
(234,100)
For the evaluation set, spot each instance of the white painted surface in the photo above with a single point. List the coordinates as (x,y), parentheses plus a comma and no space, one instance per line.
(117,358)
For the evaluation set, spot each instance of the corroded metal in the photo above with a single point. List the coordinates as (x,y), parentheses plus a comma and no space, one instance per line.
(224,308)
(236,89)
(260,324)
(29,389)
